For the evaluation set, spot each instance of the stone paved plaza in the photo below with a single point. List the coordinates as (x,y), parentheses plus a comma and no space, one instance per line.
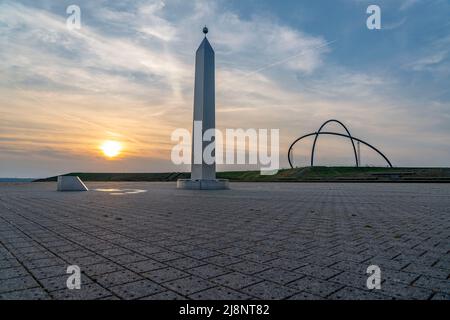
(256,241)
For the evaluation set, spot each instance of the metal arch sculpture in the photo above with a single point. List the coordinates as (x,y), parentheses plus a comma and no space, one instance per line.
(348,133)
(316,134)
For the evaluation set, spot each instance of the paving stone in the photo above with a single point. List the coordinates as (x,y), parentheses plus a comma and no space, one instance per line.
(38,250)
(258,257)
(150,250)
(114,298)
(60,282)
(405,292)
(129,243)
(165,256)
(350,266)
(305,296)
(165,295)
(320,260)
(185,263)
(79,253)
(49,272)
(351,279)
(101,268)
(434,284)
(180,248)
(188,285)
(114,252)
(116,278)
(128,258)
(14,272)
(398,276)
(40,263)
(441,296)
(315,286)
(31,257)
(429,271)
(83,262)
(29,294)
(136,290)
(234,251)
(88,291)
(249,267)
(349,293)
(201,253)
(320,272)
(61,249)
(279,276)
(18,283)
(165,274)
(223,260)
(208,271)
(286,263)
(9,263)
(385,264)
(144,266)
(269,291)
(352,257)
(236,280)
(219,293)
(442,264)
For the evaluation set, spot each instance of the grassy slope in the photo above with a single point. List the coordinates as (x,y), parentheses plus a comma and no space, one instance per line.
(298,174)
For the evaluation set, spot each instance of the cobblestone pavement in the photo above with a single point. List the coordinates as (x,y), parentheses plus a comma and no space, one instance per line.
(256,241)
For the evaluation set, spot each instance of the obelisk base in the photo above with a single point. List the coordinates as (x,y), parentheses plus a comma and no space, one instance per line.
(218,184)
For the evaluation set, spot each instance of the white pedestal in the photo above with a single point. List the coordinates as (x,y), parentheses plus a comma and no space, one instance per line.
(71,183)
(217,184)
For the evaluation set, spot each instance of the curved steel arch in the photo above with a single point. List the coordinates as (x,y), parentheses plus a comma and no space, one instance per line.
(335,134)
(317,136)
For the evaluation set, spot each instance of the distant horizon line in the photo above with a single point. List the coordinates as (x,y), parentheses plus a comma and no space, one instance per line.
(4,178)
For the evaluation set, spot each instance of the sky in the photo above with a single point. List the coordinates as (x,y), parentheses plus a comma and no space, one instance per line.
(128,75)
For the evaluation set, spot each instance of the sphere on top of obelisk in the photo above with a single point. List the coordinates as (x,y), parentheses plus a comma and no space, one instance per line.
(205,30)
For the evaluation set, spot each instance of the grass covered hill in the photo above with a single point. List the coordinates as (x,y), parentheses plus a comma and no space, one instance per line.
(307,174)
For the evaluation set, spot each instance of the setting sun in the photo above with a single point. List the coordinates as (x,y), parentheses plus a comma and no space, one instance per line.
(111,149)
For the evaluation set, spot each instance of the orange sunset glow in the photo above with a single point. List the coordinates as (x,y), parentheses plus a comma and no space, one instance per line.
(111,149)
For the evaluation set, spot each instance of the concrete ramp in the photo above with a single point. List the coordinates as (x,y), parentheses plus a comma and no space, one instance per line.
(71,183)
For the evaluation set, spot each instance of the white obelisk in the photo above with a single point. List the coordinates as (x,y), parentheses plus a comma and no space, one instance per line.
(204,109)
(203,175)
